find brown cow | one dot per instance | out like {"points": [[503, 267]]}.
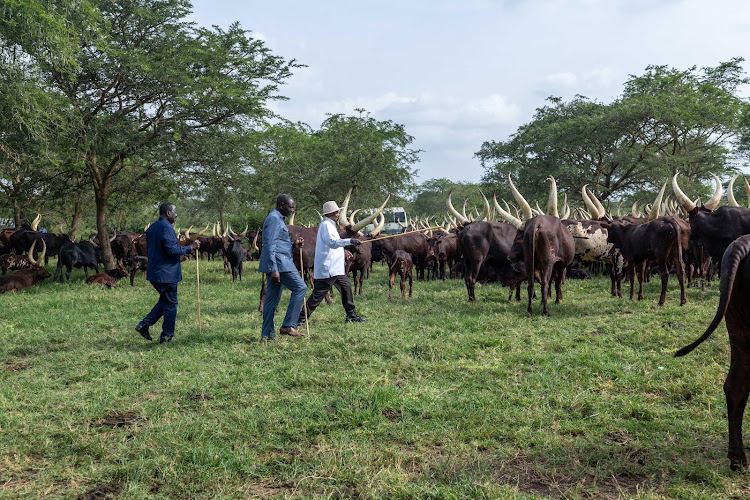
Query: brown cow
{"points": [[548, 249], [108, 278], [400, 264], [733, 304], [26, 278], [14, 262]]}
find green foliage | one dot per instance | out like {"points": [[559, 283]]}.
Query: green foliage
{"points": [[665, 121], [432, 397], [431, 197]]}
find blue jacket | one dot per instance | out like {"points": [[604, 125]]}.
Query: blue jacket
{"points": [[276, 254], [163, 253]]}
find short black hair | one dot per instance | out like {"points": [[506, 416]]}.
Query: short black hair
{"points": [[164, 208], [283, 198]]}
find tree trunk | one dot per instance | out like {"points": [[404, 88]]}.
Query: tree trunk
{"points": [[16, 214], [102, 194], [76, 218]]}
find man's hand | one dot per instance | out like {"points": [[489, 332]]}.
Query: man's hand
{"points": [[300, 241], [355, 242], [275, 277]]}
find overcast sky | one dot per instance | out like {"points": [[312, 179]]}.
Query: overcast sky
{"points": [[457, 73]]}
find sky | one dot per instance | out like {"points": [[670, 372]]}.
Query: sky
{"points": [[458, 73]]}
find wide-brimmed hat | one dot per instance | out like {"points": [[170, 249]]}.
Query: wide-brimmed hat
{"points": [[329, 207]]}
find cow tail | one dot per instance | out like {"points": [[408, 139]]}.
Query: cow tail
{"points": [[678, 233], [731, 260]]}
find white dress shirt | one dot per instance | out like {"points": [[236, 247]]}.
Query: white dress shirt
{"points": [[329, 251]]}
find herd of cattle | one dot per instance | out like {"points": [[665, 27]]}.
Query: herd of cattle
{"points": [[526, 245]]}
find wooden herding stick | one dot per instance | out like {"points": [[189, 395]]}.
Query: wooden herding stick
{"points": [[198, 277], [304, 302], [401, 234]]}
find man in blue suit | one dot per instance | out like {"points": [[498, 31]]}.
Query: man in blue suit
{"points": [[164, 272], [276, 261]]}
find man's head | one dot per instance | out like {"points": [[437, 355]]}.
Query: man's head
{"points": [[285, 204], [168, 211], [331, 210]]}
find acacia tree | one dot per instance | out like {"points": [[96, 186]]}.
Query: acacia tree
{"points": [[144, 79], [666, 120]]}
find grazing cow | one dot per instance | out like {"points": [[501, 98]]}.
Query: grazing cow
{"points": [[661, 240], [547, 248], [135, 264], [108, 278], [79, 255], [401, 264], [733, 304], [26, 278], [489, 244], [14, 262]]}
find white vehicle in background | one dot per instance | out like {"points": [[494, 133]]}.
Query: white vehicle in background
{"points": [[394, 217]]}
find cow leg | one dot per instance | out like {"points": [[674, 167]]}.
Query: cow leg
{"points": [[664, 273], [402, 284], [68, 270], [262, 292], [58, 271], [391, 280], [641, 268], [559, 280], [410, 283], [737, 387], [132, 276], [530, 290], [361, 280]]}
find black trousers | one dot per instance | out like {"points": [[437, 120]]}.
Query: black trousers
{"points": [[322, 286]]}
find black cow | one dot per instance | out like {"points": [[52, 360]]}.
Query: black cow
{"points": [[734, 305], [661, 240], [22, 240], [235, 255], [79, 255], [489, 244]]}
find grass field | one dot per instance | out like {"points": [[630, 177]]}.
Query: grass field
{"points": [[432, 397]]}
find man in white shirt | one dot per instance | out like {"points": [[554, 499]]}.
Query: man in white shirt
{"points": [[329, 265]]}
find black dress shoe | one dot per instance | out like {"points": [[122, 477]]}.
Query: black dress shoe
{"points": [[164, 339], [354, 318], [143, 330]]}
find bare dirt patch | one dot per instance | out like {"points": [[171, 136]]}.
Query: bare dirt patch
{"points": [[519, 472], [102, 491], [201, 397], [17, 366], [120, 419], [269, 489]]}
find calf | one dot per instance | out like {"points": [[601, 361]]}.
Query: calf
{"points": [[401, 264], [108, 278], [135, 264], [733, 303], [14, 262]]}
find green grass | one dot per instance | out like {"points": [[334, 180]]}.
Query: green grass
{"points": [[432, 397]]}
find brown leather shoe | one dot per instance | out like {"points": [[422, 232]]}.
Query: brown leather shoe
{"points": [[291, 331]]}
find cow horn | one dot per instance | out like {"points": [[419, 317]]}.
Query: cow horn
{"points": [[712, 203], [731, 201], [590, 207], [35, 262], [343, 220], [91, 240], [114, 235], [35, 222], [657, 204], [291, 219], [187, 232], [634, 209], [359, 225], [254, 246], [599, 207], [379, 224], [682, 197], [463, 211], [485, 213], [453, 211], [552, 201], [244, 233], [525, 207], [61, 231], [566, 207], [351, 217], [518, 223], [213, 230]]}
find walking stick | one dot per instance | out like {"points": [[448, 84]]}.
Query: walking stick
{"points": [[198, 277], [304, 303], [401, 234]]}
